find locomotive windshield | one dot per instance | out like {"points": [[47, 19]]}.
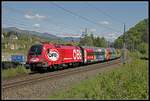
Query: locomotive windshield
{"points": [[35, 50]]}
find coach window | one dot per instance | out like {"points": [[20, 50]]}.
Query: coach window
{"points": [[90, 54]]}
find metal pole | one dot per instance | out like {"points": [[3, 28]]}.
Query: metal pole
{"points": [[86, 33], [124, 46]]}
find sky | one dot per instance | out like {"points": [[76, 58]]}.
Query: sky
{"points": [[104, 19]]}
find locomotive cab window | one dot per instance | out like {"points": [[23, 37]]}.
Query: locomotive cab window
{"points": [[36, 50]]}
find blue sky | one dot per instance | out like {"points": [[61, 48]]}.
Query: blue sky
{"points": [[107, 17]]}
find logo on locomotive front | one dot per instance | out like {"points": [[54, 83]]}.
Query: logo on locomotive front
{"points": [[53, 54], [76, 54]]}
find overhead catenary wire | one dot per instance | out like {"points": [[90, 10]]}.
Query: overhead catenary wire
{"points": [[22, 12], [106, 14], [87, 19], [26, 26], [16, 22], [82, 17], [52, 22], [21, 23]]}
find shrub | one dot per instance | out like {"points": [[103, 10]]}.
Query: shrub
{"points": [[11, 72], [130, 81]]}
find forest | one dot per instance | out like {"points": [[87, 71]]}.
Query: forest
{"points": [[136, 38]]}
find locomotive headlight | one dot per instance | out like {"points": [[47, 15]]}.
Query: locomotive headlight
{"points": [[34, 59]]}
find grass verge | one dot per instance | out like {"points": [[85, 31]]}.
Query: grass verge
{"points": [[130, 81], [12, 72]]}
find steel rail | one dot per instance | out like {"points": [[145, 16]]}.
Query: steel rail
{"points": [[58, 74]]}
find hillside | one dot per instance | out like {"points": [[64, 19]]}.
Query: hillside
{"points": [[27, 32], [136, 38], [17, 41]]}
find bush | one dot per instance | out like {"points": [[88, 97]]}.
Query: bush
{"points": [[130, 81], [11, 72], [143, 48]]}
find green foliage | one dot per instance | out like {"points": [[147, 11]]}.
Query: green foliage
{"points": [[86, 41], [12, 72], [23, 42], [130, 81], [136, 38], [143, 48], [119, 42], [97, 42], [103, 42], [90, 40]]}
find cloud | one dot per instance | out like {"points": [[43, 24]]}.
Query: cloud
{"points": [[93, 30], [111, 34], [111, 37], [36, 25], [28, 16], [36, 16], [39, 16], [104, 22]]}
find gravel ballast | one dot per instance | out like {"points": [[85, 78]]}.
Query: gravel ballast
{"points": [[43, 89]]}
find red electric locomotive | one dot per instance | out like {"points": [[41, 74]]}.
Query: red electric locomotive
{"points": [[46, 56]]}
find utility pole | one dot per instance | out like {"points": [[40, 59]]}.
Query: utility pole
{"points": [[124, 47], [86, 33]]}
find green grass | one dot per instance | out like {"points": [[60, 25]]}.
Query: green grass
{"points": [[12, 72], [130, 81]]}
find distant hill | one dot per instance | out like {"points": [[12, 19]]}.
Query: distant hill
{"points": [[69, 39], [43, 35], [17, 41], [27, 32]]}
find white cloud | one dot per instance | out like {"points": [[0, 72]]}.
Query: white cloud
{"points": [[93, 30], [39, 16], [111, 37], [36, 16], [104, 22], [36, 25], [111, 34], [28, 16], [81, 30]]}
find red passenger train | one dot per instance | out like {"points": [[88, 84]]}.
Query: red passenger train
{"points": [[50, 56]]}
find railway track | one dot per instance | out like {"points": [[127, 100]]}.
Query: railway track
{"points": [[58, 74]]}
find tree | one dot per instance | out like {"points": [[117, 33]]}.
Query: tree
{"points": [[136, 37], [86, 41], [103, 42], [118, 42], [97, 42], [143, 48], [92, 37]]}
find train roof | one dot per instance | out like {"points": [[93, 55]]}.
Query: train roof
{"points": [[92, 47]]}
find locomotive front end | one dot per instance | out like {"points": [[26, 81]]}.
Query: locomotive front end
{"points": [[35, 59]]}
